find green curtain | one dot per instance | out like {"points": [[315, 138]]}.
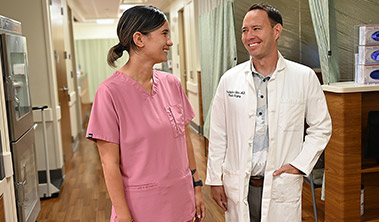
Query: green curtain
{"points": [[218, 51], [91, 56], [324, 25]]}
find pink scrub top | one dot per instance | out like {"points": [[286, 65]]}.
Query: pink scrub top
{"points": [[150, 129]]}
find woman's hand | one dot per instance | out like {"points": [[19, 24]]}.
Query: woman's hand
{"points": [[199, 203], [127, 218]]}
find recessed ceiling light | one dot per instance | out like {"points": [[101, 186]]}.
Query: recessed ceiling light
{"points": [[126, 6], [104, 21]]}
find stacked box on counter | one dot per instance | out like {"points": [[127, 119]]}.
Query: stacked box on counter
{"points": [[367, 58]]}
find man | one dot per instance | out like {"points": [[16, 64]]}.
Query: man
{"points": [[258, 153]]}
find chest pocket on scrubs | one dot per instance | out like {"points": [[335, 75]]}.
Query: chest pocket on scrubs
{"points": [[176, 117], [291, 117]]}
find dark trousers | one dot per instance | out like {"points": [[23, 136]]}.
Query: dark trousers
{"points": [[255, 203]]}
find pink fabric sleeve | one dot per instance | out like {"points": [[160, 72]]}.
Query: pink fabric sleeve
{"points": [[103, 123]]}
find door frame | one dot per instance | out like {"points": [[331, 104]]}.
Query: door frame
{"points": [[53, 89], [60, 56], [182, 51]]}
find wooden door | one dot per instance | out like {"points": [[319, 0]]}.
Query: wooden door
{"points": [[57, 21], [2, 214]]}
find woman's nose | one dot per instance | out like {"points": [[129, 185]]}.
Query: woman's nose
{"points": [[169, 42]]}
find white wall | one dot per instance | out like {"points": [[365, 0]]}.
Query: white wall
{"points": [[94, 31]]}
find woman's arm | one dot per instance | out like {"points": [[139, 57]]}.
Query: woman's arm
{"points": [[200, 208], [110, 160]]}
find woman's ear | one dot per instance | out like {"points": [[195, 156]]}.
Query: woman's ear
{"points": [[138, 39]]}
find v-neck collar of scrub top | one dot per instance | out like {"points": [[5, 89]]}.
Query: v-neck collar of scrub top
{"points": [[138, 86]]}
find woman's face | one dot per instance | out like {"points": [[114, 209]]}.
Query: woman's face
{"points": [[157, 44]]}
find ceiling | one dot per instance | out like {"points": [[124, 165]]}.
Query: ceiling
{"points": [[90, 10]]}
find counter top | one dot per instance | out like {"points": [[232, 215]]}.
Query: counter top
{"points": [[349, 87]]}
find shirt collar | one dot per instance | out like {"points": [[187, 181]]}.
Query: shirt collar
{"points": [[279, 66], [255, 73]]}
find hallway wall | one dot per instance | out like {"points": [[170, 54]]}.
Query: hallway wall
{"points": [[189, 59]]}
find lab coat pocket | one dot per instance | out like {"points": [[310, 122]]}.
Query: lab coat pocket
{"points": [[175, 115], [287, 187], [291, 117], [231, 184]]}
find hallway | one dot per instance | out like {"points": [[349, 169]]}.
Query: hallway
{"points": [[84, 197]]}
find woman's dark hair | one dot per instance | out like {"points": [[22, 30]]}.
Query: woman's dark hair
{"points": [[143, 19], [273, 13]]}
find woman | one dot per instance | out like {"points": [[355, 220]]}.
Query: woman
{"points": [[139, 122]]}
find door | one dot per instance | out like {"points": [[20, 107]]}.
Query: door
{"points": [[26, 181], [75, 108], [57, 21], [191, 57], [16, 88]]}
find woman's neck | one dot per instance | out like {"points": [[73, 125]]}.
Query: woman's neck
{"points": [[141, 72]]}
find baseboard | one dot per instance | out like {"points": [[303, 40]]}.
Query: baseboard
{"points": [[198, 129], [76, 143]]}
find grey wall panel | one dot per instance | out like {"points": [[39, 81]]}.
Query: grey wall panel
{"points": [[240, 9], [309, 51]]}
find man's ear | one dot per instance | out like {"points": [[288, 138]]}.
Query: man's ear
{"points": [[138, 39], [277, 30]]}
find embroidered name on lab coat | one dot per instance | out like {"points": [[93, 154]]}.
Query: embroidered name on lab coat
{"points": [[235, 93]]}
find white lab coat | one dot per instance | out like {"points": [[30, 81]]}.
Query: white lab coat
{"points": [[294, 94]]}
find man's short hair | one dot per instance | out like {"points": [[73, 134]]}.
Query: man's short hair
{"points": [[273, 13]]}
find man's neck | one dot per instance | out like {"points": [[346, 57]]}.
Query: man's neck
{"points": [[266, 65]]}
